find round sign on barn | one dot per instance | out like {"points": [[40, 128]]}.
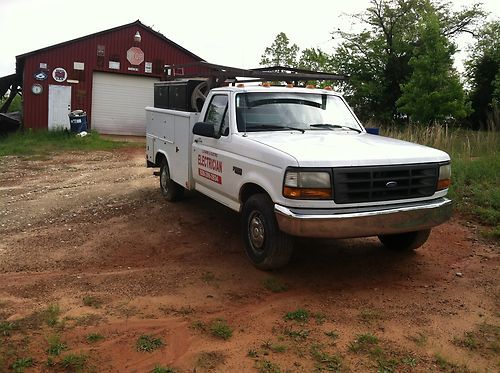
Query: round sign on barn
{"points": [[135, 56]]}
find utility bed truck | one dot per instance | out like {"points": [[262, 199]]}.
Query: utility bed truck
{"points": [[297, 162]]}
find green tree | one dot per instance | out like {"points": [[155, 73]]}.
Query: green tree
{"points": [[280, 53], [433, 92], [483, 76], [377, 57]]}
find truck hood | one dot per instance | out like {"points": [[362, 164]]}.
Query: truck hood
{"points": [[346, 149]]}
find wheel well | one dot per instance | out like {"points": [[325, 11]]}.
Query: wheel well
{"points": [[249, 190], [159, 158]]}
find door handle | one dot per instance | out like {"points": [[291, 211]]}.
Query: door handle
{"points": [[198, 140]]}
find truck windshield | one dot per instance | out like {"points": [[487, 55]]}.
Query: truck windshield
{"points": [[284, 111]]}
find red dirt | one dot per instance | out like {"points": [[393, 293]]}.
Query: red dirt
{"points": [[77, 225]]}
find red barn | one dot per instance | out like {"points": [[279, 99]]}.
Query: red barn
{"points": [[109, 75]]}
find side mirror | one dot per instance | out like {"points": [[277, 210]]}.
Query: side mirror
{"points": [[204, 129]]}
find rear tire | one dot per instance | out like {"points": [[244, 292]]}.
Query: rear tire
{"points": [[266, 246], [169, 188], [405, 241]]}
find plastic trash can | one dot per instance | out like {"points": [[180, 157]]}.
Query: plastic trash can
{"points": [[78, 121]]}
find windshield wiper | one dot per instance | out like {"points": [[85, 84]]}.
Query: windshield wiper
{"points": [[332, 126], [272, 126]]}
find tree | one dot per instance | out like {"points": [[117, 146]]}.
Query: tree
{"points": [[280, 53], [483, 76], [377, 58], [433, 92]]}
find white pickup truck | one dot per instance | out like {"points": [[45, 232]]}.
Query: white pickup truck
{"points": [[297, 162]]}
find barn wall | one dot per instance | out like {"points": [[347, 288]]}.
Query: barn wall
{"points": [[116, 43]]}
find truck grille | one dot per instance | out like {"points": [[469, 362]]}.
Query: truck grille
{"points": [[384, 183]]}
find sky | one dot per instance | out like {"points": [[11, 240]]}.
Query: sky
{"points": [[227, 32]]}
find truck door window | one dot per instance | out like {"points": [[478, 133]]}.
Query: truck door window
{"points": [[217, 114]]}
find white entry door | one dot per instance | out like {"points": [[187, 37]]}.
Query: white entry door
{"points": [[59, 106]]}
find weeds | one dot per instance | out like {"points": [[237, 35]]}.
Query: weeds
{"points": [[274, 347], [51, 314], [160, 369], [363, 343], [91, 301], [20, 364], [148, 343], [210, 360], [300, 315], [220, 329], [266, 366], [297, 335], [6, 327], [325, 361], [94, 337], [275, 285], [420, 339], [74, 362], [56, 346], [333, 335]]}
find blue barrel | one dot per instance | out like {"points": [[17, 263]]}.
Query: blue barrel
{"points": [[78, 121]]}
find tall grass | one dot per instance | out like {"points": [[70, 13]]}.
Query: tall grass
{"points": [[44, 142], [475, 167]]}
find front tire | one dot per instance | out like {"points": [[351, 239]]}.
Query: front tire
{"points": [[169, 188], [405, 241], [266, 246]]}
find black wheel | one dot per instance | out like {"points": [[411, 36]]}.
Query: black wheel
{"points": [[169, 188], [266, 246], [405, 241]]}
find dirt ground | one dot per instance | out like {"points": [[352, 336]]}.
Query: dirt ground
{"points": [[92, 257]]}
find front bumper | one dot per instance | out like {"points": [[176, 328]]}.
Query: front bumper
{"points": [[363, 222]]}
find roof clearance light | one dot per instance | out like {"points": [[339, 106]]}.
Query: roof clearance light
{"points": [[310, 86], [328, 88], [289, 85], [240, 85], [266, 84]]}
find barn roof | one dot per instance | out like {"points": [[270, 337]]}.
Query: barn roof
{"points": [[135, 23]]}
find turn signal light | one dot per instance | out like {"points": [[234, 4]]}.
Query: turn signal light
{"points": [[443, 184], [307, 193]]}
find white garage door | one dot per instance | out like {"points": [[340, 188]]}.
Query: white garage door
{"points": [[118, 103]]}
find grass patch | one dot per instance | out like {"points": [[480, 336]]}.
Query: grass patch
{"points": [[160, 369], [51, 314], [266, 366], [325, 361], [274, 347], [368, 316], [420, 339], [363, 343], [210, 360], [74, 362], [45, 142], [448, 366], [300, 315], [485, 339], [275, 285], [20, 364], [297, 335], [56, 346], [333, 335], [7, 327], [148, 343], [220, 329], [94, 337], [91, 301]]}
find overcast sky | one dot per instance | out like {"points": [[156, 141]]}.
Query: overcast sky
{"points": [[227, 32]]}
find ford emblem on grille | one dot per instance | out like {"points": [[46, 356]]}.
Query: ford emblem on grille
{"points": [[391, 184]]}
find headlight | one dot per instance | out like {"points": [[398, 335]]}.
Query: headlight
{"points": [[444, 180], [307, 185]]}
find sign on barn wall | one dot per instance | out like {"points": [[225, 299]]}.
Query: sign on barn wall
{"points": [[135, 56]]}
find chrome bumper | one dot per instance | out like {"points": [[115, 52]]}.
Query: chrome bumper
{"points": [[363, 222]]}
